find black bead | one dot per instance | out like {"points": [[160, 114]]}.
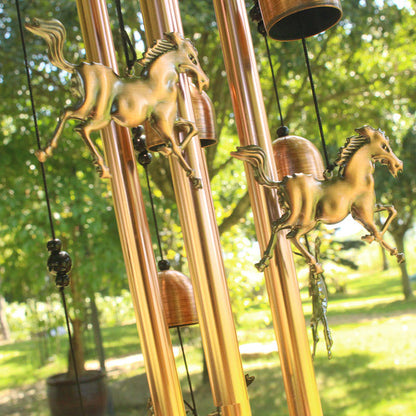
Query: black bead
{"points": [[163, 265], [282, 131], [54, 245], [139, 139], [62, 280], [144, 158], [59, 262]]}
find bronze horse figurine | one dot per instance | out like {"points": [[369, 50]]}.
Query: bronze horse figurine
{"points": [[305, 200], [131, 101]]}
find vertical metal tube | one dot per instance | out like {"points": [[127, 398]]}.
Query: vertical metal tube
{"points": [[134, 230], [202, 243], [288, 319]]}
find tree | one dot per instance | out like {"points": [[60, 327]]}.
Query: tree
{"points": [[363, 73], [81, 204], [401, 192]]}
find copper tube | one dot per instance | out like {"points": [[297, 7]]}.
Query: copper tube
{"points": [[134, 230], [288, 319], [202, 243]]}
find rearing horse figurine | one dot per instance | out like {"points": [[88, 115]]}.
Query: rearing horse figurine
{"points": [[131, 101], [305, 200]]}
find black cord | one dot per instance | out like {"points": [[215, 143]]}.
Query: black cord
{"points": [[193, 407], [35, 120], [128, 48], [68, 328], [59, 261], [315, 101], [274, 81], [149, 189]]}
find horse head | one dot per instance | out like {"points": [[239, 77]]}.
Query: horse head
{"points": [[380, 149], [188, 60]]}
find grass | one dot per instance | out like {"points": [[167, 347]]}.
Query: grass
{"points": [[372, 372]]}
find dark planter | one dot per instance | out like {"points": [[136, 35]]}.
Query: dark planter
{"points": [[64, 399]]}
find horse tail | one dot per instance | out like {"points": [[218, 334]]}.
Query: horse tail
{"points": [[54, 34], [256, 157]]}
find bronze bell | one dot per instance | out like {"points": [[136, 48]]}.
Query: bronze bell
{"points": [[204, 120], [294, 154], [295, 19], [204, 117], [177, 298]]}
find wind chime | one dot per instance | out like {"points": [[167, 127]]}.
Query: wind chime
{"points": [[174, 135], [308, 193]]}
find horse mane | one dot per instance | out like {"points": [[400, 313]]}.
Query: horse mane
{"points": [[160, 47], [346, 152]]}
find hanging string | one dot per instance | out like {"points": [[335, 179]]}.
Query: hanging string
{"points": [[35, 120], [193, 407], [274, 80], [59, 262], [145, 158], [68, 328], [256, 17], [128, 48], [315, 101]]}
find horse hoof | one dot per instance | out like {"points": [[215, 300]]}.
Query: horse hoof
{"points": [[316, 268], [196, 183], [260, 266], [400, 258], [368, 238], [41, 155], [104, 172]]}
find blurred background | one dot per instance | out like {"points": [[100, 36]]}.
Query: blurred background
{"points": [[364, 71]]}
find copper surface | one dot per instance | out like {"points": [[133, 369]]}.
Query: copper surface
{"points": [[282, 286], [134, 231], [294, 19], [204, 117], [202, 243], [294, 154], [177, 298]]}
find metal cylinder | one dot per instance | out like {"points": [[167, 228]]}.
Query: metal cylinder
{"points": [[295, 19], [134, 231], [282, 286], [294, 154]]}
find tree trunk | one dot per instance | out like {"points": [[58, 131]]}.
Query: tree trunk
{"points": [[4, 325], [384, 261], [95, 321], [205, 375], [78, 357], [407, 288]]}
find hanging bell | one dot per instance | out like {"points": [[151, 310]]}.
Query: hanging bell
{"points": [[153, 141], [205, 122], [177, 298], [294, 154], [297, 19], [204, 114]]}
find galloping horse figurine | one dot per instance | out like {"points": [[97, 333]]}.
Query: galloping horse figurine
{"points": [[305, 200], [131, 101]]}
